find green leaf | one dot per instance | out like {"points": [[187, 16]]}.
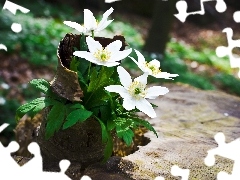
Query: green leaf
{"points": [[110, 125], [104, 130], [25, 108], [95, 92], [74, 64], [83, 63], [93, 80], [145, 124], [108, 148], [77, 106], [55, 119], [47, 102], [105, 112], [75, 116], [126, 134], [96, 99], [40, 84], [154, 105], [100, 80]]}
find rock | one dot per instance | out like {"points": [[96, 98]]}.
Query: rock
{"points": [[187, 121]]}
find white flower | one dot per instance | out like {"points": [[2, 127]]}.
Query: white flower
{"points": [[152, 67], [103, 56], [90, 23], [135, 92]]}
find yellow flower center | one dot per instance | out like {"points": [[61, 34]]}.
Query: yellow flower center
{"points": [[155, 70], [137, 90], [102, 55]]}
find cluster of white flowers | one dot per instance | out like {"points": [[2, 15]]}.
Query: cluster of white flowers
{"points": [[134, 93]]}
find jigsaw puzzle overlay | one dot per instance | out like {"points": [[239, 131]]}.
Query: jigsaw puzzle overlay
{"points": [[176, 171], [221, 51], [182, 9], [16, 27], [228, 150], [33, 169]]}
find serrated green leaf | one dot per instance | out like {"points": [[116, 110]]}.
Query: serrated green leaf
{"points": [[95, 90], [128, 137], [93, 80], [144, 123], [96, 99], [126, 134], [75, 116], [25, 108], [47, 102], [41, 85], [55, 119], [100, 80]]}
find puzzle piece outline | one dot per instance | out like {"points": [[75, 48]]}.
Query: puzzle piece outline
{"points": [[12, 7], [176, 171], [182, 6], [228, 150], [222, 51], [33, 168]]}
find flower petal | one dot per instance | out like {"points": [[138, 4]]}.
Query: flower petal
{"points": [[144, 106], [139, 65], [142, 79], [104, 23], [108, 64], [87, 55], [124, 77], [129, 104], [155, 91], [74, 25], [90, 22], [118, 89], [155, 62], [119, 55], [165, 75], [93, 45], [141, 59], [103, 26], [114, 46]]}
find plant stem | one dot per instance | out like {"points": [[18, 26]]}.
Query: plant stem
{"points": [[89, 68]]}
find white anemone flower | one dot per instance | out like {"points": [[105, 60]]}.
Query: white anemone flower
{"points": [[134, 93], [90, 22], [103, 56], [152, 67]]}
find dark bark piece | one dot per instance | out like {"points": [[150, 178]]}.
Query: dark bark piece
{"points": [[81, 143], [65, 83]]}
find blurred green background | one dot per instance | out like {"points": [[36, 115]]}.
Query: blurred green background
{"points": [[187, 49]]}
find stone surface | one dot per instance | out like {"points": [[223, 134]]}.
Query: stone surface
{"points": [[187, 121]]}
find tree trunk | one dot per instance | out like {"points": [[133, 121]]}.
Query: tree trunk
{"points": [[158, 34]]}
